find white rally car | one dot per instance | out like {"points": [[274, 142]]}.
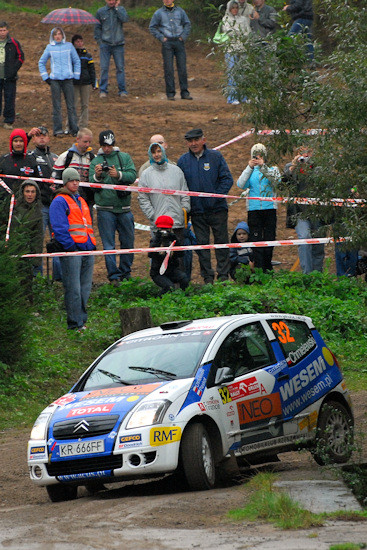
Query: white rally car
{"points": [[191, 395]]}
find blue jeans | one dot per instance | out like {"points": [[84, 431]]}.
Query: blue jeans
{"points": [[346, 261], [311, 256], [77, 275], [173, 47], [117, 52], [303, 26], [108, 224], [8, 89], [56, 265], [67, 88]]}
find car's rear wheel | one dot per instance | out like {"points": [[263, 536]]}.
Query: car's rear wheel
{"points": [[334, 439], [59, 493], [197, 458]]}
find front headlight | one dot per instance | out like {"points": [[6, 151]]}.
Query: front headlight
{"points": [[148, 413], [40, 426]]}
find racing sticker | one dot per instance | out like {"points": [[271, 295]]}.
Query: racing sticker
{"points": [[133, 440], [309, 383], [198, 386], [65, 399], [164, 436], [93, 409], [87, 475], [258, 409], [140, 389], [36, 453], [258, 385]]}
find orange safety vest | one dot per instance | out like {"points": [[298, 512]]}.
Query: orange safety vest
{"points": [[80, 222]]}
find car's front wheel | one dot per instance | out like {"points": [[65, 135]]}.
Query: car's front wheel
{"points": [[59, 493], [334, 439], [197, 458]]}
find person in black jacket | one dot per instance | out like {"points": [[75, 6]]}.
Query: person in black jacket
{"points": [[87, 79], [165, 276], [11, 60], [301, 12]]}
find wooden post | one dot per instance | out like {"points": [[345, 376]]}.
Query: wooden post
{"points": [[134, 318]]}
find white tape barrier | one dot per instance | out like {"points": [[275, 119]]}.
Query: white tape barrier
{"points": [[256, 244]]}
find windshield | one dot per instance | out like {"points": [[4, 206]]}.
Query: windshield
{"points": [[150, 359]]}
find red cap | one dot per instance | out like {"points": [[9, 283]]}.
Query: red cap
{"points": [[164, 222]]}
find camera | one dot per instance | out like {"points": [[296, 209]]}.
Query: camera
{"points": [[302, 159], [256, 157], [105, 167]]}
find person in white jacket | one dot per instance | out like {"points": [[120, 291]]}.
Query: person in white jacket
{"points": [[236, 26], [163, 175]]}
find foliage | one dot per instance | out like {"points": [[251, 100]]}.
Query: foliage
{"points": [[267, 503], [348, 546], [290, 95]]}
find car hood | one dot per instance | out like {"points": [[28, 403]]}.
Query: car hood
{"points": [[116, 400]]}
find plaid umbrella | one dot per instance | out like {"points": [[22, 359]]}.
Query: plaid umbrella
{"points": [[69, 16]]}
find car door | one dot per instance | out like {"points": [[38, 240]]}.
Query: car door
{"points": [[251, 406]]}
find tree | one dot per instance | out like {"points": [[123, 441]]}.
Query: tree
{"points": [[289, 95]]}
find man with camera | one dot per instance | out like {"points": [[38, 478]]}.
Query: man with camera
{"points": [[111, 166], [311, 256]]}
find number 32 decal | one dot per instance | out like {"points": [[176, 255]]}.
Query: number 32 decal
{"points": [[283, 331]]}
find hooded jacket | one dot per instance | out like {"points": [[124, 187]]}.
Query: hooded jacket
{"points": [[260, 181], [109, 29], [240, 255], [236, 25], [18, 164], [109, 199], [163, 176], [65, 62], [14, 58], [87, 68], [28, 218], [210, 174]]}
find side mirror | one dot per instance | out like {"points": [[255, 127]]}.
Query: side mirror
{"points": [[224, 375]]}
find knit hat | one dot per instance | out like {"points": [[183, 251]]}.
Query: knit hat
{"points": [[259, 149], [164, 222], [107, 137], [70, 174]]}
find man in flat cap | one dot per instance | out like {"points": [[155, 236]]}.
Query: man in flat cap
{"points": [[206, 171]]}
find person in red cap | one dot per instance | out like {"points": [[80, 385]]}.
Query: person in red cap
{"points": [[165, 273]]}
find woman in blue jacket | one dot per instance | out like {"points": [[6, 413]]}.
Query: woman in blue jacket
{"points": [[262, 215], [65, 66]]}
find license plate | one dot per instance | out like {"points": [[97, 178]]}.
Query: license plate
{"points": [[82, 448]]}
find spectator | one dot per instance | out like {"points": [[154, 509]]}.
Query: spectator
{"points": [[263, 18], [157, 138], [262, 215], [11, 60], [244, 8], [162, 175], [87, 79], [65, 66], [240, 256], [27, 217], [111, 166], [166, 278], [236, 27], [301, 12], [72, 227], [171, 26], [109, 36], [206, 170], [18, 162], [311, 256], [45, 161], [79, 156]]}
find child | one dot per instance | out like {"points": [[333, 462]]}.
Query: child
{"points": [[87, 79], [173, 274], [240, 256]]}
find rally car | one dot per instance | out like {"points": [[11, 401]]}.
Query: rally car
{"points": [[191, 395]]}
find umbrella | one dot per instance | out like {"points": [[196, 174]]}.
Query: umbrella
{"points": [[69, 16]]}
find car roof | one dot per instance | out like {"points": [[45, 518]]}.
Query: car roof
{"points": [[214, 323]]}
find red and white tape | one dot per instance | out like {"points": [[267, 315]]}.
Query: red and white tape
{"points": [[297, 200], [254, 244]]}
